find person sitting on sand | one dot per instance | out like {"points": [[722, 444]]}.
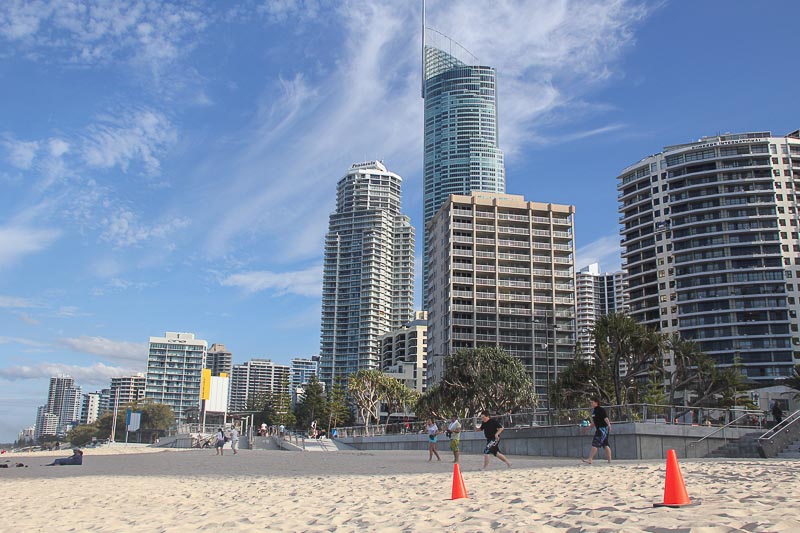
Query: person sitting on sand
{"points": [[75, 459]]}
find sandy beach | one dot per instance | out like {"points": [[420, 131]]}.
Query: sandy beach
{"points": [[175, 490]]}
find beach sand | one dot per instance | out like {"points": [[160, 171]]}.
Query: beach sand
{"points": [[183, 490]]}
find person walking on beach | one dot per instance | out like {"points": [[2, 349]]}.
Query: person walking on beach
{"points": [[234, 440], [433, 436], [492, 429], [454, 432], [220, 436], [602, 427]]}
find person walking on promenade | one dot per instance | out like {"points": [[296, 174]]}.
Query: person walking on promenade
{"points": [[454, 432], [234, 440], [433, 436], [602, 427], [492, 429], [777, 413], [220, 436]]}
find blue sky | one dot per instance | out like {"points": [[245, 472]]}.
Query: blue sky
{"points": [[170, 166]]}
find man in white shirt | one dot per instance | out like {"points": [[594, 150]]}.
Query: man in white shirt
{"points": [[234, 440], [454, 432]]}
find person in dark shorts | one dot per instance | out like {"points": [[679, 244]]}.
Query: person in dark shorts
{"points": [[602, 426], [492, 428]]}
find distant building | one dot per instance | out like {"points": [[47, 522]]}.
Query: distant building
{"points": [[90, 407], [46, 423], [710, 245], [64, 403], [26, 436], [219, 360], [502, 275], [405, 352], [302, 370], [368, 271], [174, 365], [598, 294], [105, 401], [254, 380], [126, 390]]}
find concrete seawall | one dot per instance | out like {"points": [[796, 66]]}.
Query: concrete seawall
{"points": [[630, 440]]}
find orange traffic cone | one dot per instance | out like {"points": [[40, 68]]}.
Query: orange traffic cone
{"points": [[459, 489], [674, 488]]}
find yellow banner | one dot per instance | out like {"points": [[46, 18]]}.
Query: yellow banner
{"points": [[205, 384]]}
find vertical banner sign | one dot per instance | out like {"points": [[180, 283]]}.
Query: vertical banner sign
{"points": [[133, 419], [205, 384]]}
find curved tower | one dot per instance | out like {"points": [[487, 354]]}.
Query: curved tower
{"points": [[368, 277], [709, 230], [461, 139]]}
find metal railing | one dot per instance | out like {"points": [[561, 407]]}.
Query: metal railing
{"points": [[642, 413], [744, 420], [780, 435]]}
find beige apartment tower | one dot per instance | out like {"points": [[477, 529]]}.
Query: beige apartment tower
{"points": [[502, 274], [405, 352]]}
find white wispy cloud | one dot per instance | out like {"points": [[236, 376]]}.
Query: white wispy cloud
{"points": [[306, 282], [91, 376], [280, 184], [15, 302], [123, 351], [21, 153], [605, 251], [18, 241], [123, 228], [152, 34], [548, 54], [25, 342], [142, 136]]}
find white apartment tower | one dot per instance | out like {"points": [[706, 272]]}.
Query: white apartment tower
{"points": [[126, 390], [90, 407], [368, 278], [255, 379], [405, 352], [302, 370], [598, 294], [502, 275], [174, 365], [710, 245]]}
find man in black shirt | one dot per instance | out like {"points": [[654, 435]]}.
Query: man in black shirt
{"points": [[491, 430], [602, 426]]}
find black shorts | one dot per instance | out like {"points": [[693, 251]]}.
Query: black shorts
{"points": [[600, 439], [492, 447]]}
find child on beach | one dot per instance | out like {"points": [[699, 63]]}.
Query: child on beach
{"points": [[433, 436]]}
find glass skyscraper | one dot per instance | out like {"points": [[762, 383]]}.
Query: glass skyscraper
{"points": [[461, 148]]}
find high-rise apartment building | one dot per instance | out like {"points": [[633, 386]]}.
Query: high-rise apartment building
{"points": [[462, 152], [63, 402], [90, 407], [368, 278], [598, 294], [302, 369], [502, 274], [126, 390], [710, 245], [46, 423], [405, 352], [254, 380], [174, 365], [219, 360]]}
